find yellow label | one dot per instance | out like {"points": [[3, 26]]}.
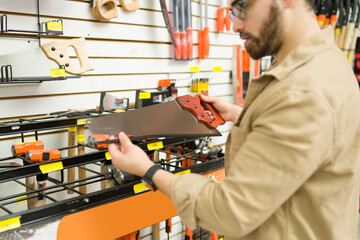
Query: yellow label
{"points": [[26, 142], [203, 87], [211, 145], [350, 58], [183, 172], [221, 238], [81, 121], [107, 156], [217, 69], [72, 129], [119, 110], [19, 198], [140, 187], [337, 31], [195, 69], [81, 138], [51, 167], [9, 224], [54, 73], [54, 26], [155, 145], [144, 95], [321, 23]]}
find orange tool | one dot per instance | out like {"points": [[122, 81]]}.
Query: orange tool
{"points": [[206, 31], [177, 34], [21, 148], [184, 50], [214, 236], [189, 31], [188, 234], [94, 139], [201, 36], [223, 18], [40, 155]]}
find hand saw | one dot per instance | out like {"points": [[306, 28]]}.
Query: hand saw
{"points": [[34, 64], [184, 116]]}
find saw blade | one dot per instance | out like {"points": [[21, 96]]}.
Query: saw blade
{"points": [[160, 120]]}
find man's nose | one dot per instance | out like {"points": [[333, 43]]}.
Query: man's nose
{"points": [[238, 25]]}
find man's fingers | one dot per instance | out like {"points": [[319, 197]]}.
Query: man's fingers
{"points": [[125, 141]]}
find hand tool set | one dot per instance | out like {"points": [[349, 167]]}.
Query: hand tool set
{"points": [[44, 172]]}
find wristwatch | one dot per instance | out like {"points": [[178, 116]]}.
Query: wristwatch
{"points": [[147, 179]]}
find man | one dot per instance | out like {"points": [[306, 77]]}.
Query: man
{"points": [[293, 154]]}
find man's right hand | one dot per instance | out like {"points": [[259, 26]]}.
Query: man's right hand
{"points": [[227, 110]]}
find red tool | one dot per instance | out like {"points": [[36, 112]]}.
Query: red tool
{"points": [[21, 148], [206, 31], [189, 31], [201, 36], [184, 50], [177, 34], [40, 155]]}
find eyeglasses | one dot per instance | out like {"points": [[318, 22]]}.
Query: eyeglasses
{"points": [[238, 10]]}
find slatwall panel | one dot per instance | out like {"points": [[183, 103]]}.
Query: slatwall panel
{"points": [[130, 52]]}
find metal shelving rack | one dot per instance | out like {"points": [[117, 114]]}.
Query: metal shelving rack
{"points": [[179, 151]]}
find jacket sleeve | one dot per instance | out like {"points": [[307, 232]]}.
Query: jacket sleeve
{"points": [[291, 138]]}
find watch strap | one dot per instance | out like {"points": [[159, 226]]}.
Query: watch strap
{"points": [[149, 176]]}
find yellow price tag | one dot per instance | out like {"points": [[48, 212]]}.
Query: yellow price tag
{"points": [[81, 138], [217, 69], [337, 31], [9, 224], [54, 26], [155, 145], [81, 121], [140, 187], [119, 110], [183, 172], [72, 129], [145, 95], [19, 198], [51, 167], [194, 69], [55, 73], [107, 156]]}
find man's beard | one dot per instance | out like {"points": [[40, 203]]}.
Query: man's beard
{"points": [[271, 36]]}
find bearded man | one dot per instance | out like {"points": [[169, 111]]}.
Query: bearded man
{"points": [[293, 154]]}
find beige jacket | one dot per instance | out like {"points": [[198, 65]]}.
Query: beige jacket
{"points": [[292, 159]]}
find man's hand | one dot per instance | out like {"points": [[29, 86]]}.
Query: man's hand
{"points": [[228, 111], [129, 157]]}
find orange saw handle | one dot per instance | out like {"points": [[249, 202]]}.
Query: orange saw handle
{"points": [[197, 107]]}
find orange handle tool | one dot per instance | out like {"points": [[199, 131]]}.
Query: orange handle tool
{"points": [[94, 139], [227, 19], [178, 45], [168, 225], [184, 50], [40, 155], [197, 107], [201, 44], [220, 19], [188, 234], [214, 236], [206, 41], [21, 148], [189, 43]]}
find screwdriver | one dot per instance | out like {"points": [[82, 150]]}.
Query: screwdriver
{"points": [[201, 35], [206, 31], [189, 31], [177, 34], [184, 51]]}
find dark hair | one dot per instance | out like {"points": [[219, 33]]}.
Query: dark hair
{"points": [[311, 3]]}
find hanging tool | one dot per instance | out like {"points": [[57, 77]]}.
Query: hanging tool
{"points": [[350, 28], [338, 24], [206, 31], [177, 32], [344, 27], [333, 13], [222, 17], [21, 148], [201, 35], [109, 5], [188, 233], [71, 153], [132, 6], [324, 9], [189, 30], [184, 47], [355, 35], [186, 117], [168, 23]]}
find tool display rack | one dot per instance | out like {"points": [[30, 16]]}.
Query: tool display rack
{"points": [[57, 208]]}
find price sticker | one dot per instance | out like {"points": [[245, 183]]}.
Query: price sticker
{"points": [[217, 69], [145, 95], [54, 26], [107, 156], [9, 224], [19, 198], [195, 69], [81, 121], [72, 129], [183, 172], [81, 138], [56, 73], [51, 167], [140, 187], [155, 145]]}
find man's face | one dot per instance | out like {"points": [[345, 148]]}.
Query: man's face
{"points": [[270, 36]]}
